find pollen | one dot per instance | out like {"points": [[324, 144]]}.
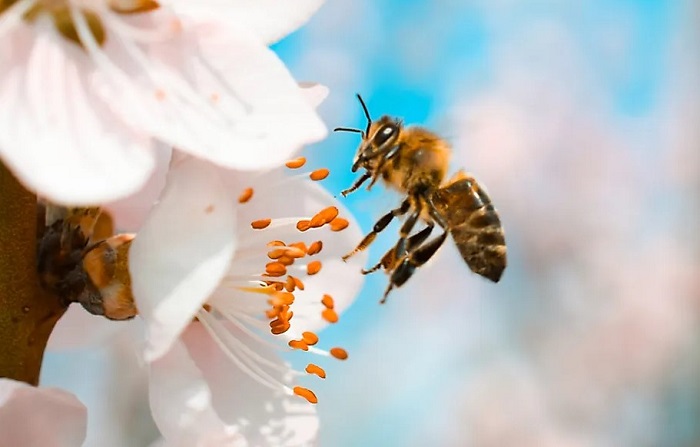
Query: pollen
{"points": [[246, 195], [339, 224], [306, 394], [298, 344], [296, 163], [330, 315], [309, 338], [319, 174], [275, 269], [260, 224], [313, 267], [339, 353], [315, 369], [303, 225], [314, 248], [327, 301]]}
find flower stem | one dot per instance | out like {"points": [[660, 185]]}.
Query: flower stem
{"points": [[27, 313]]}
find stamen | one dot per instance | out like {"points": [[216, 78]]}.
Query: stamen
{"points": [[289, 285], [260, 224], [319, 174], [246, 195], [327, 301], [330, 315], [313, 267], [339, 353], [276, 244], [306, 394], [298, 344], [309, 338], [281, 299], [315, 369], [299, 246], [314, 248], [286, 260], [339, 224], [303, 225], [296, 163]]}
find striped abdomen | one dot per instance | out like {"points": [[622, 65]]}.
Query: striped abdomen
{"points": [[474, 225]]}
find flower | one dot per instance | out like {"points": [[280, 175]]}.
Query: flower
{"points": [[31, 416], [89, 89], [226, 248]]}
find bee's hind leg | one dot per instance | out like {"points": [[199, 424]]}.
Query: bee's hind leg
{"points": [[390, 257], [381, 224], [408, 265]]}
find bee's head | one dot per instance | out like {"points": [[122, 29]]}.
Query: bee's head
{"points": [[377, 139]]}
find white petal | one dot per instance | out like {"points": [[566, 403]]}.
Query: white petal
{"points": [[314, 93], [182, 251], [276, 196], [217, 93], [181, 404], [57, 137], [270, 20], [263, 416], [40, 417]]}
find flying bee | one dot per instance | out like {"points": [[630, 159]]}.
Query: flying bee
{"points": [[414, 161]]}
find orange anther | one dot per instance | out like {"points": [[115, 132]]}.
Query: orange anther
{"points": [[281, 299], [275, 269], [260, 224], [271, 313], [314, 248], [327, 301], [306, 394], [315, 369], [339, 353], [246, 195], [330, 315], [296, 163], [276, 244], [289, 285], [276, 253], [286, 260], [299, 246], [298, 283], [319, 174], [313, 267], [277, 330], [309, 338], [298, 344], [317, 221], [339, 224], [303, 225], [329, 213]]}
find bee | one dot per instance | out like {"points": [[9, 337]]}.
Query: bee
{"points": [[414, 161]]}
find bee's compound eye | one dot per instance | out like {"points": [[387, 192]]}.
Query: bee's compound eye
{"points": [[384, 134]]}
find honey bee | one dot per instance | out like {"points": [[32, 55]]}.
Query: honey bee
{"points": [[414, 161]]}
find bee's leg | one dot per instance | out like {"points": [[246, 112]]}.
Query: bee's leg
{"points": [[357, 184], [391, 255], [378, 227], [410, 263]]}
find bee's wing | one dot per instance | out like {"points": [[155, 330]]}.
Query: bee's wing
{"points": [[474, 225]]}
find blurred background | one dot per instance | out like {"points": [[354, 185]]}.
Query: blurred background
{"points": [[583, 120]]}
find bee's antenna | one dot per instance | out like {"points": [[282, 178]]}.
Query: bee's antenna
{"points": [[349, 129], [364, 107]]}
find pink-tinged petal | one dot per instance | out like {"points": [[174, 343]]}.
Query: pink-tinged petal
{"points": [[270, 20], [57, 137], [263, 416], [40, 417], [130, 213], [181, 404], [280, 198], [182, 251], [217, 93]]}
